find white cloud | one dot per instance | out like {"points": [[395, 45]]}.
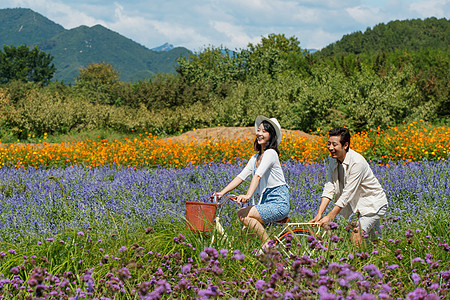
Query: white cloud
{"points": [[233, 23], [437, 8], [365, 15], [235, 34]]}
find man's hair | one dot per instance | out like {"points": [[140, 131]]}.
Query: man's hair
{"points": [[272, 142], [344, 133]]}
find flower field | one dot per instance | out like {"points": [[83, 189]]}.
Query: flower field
{"points": [[411, 142], [110, 232]]}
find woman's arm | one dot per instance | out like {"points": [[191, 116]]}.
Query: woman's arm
{"points": [[251, 189], [231, 186]]}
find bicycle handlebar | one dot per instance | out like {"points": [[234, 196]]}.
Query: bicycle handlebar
{"points": [[214, 199]]}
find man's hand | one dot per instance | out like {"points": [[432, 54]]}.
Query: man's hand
{"points": [[315, 219], [325, 221], [242, 199]]}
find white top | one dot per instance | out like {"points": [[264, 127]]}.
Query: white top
{"points": [[269, 170], [360, 190]]}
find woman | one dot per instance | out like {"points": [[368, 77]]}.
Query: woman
{"points": [[268, 181]]}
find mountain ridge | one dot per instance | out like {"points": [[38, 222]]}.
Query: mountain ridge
{"points": [[75, 48]]}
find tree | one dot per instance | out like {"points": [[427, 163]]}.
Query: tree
{"points": [[100, 82], [26, 65]]}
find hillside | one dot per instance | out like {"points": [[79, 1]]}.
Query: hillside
{"points": [[76, 48], [412, 35]]}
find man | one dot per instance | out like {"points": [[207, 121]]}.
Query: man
{"points": [[350, 181]]}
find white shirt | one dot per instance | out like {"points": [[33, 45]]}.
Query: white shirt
{"points": [[360, 190], [269, 170]]}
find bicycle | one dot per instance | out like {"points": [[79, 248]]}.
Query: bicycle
{"points": [[206, 218]]}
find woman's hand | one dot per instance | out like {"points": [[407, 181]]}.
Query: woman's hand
{"points": [[242, 199], [218, 196]]}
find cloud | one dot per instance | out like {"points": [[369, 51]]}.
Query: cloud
{"points": [[365, 15], [233, 23], [437, 8]]}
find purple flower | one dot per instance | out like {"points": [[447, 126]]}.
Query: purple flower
{"points": [[409, 233], [124, 273], [186, 268], [418, 259], [333, 225], [373, 270], [14, 270], [417, 294], [386, 287], [223, 252], [179, 239], [238, 256], [260, 284], [324, 295], [80, 233], [123, 249], [416, 278], [49, 239], [11, 251], [210, 292], [367, 296], [392, 267]]}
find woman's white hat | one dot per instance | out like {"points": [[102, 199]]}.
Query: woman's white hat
{"points": [[274, 123]]}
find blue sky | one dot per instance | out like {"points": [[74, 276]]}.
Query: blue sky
{"points": [[196, 24]]}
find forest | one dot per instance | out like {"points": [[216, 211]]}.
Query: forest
{"points": [[358, 82]]}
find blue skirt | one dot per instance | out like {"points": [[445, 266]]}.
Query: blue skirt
{"points": [[274, 204]]}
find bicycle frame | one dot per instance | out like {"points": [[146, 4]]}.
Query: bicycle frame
{"points": [[287, 228]]}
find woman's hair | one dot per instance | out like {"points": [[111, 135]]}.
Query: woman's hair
{"points": [[272, 143]]}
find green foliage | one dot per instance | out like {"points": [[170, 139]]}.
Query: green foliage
{"points": [[410, 35], [99, 83], [24, 64], [84, 45]]}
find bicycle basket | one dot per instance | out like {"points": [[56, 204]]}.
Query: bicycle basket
{"points": [[200, 216]]}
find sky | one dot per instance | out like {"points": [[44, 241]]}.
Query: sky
{"points": [[197, 24]]}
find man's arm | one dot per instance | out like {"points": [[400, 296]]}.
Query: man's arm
{"points": [[323, 205], [331, 215]]}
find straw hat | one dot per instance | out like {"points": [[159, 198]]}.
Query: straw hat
{"points": [[273, 122]]}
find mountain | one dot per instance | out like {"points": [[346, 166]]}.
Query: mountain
{"points": [[76, 48], [165, 47], [412, 35]]}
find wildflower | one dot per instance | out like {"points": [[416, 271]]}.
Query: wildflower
{"points": [[324, 295], [259, 284], [49, 239], [238, 256], [149, 230], [124, 273], [179, 239], [373, 270], [409, 233], [223, 252], [14, 270], [417, 294], [416, 278], [186, 268], [80, 233], [123, 249], [392, 267]]}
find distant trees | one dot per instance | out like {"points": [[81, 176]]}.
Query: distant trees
{"points": [[275, 54], [25, 64]]}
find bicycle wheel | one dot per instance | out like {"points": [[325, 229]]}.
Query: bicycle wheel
{"points": [[297, 241]]}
